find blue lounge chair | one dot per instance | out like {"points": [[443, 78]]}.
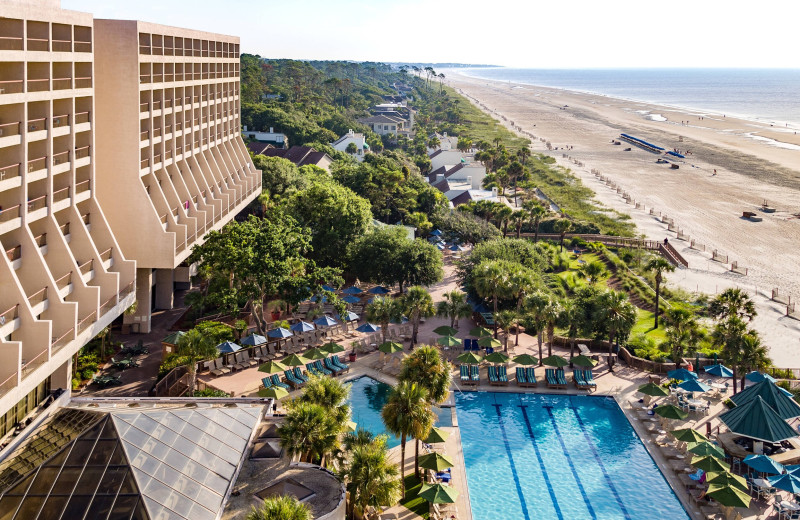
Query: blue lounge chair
{"points": [[589, 380], [464, 370], [338, 362], [530, 372], [266, 382], [552, 379], [292, 379], [276, 381], [320, 368], [327, 363], [312, 369], [521, 379], [502, 375], [577, 378], [561, 378], [298, 373], [474, 374], [493, 379]]}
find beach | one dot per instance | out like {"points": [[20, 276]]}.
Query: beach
{"points": [[731, 166]]}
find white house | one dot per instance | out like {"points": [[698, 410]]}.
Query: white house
{"points": [[277, 139], [446, 142], [384, 124], [362, 148]]}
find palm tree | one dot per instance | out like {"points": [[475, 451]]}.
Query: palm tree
{"points": [[523, 154], [619, 316], [752, 354], [454, 306], [285, 507], [730, 303], [536, 305], [417, 304], [521, 283], [383, 311], [518, 218], [370, 479], [569, 319], [683, 332], [592, 271], [406, 413], [562, 227], [552, 314], [103, 335], [505, 320], [196, 347], [537, 212], [659, 266], [309, 430], [490, 280], [330, 393]]}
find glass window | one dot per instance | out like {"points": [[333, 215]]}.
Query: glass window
{"points": [[30, 507]]}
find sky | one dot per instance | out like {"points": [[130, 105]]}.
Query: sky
{"points": [[515, 33]]}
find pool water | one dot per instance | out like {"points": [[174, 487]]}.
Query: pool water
{"points": [[539, 456], [367, 397]]}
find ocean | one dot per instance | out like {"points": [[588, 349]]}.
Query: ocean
{"points": [[764, 95]]}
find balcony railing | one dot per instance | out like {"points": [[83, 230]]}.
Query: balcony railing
{"points": [[61, 158], [163, 219], [107, 254], [11, 86], [37, 164], [38, 84], [9, 129], [62, 45], [35, 125], [27, 366], [87, 266], [10, 171], [38, 44], [108, 304], [81, 117], [14, 253], [144, 107], [144, 164], [10, 43], [61, 341], [82, 46], [9, 315], [157, 158], [85, 322], [144, 136], [82, 186], [41, 240], [37, 203], [64, 281], [85, 218], [157, 105], [144, 78], [59, 121], [64, 228], [38, 297], [126, 290], [83, 82], [62, 83], [157, 132], [10, 213], [82, 152], [62, 194]]}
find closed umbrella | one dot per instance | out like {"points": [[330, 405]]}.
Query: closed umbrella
{"points": [[351, 426], [302, 326], [435, 461], [670, 411], [379, 289], [438, 493], [525, 359], [368, 327], [272, 367], [332, 348], [719, 371], [728, 496], [489, 342], [390, 347], [437, 435], [227, 347], [583, 361], [276, 392], [325, 321], [764, 464], [705, 448], [681, 374], [688, 435], [444, 330], [497, 357], [710, 463], [315, 354], [280, 332], [352, 290], [254, 340], [653, 390], [469, 358], [693, 385], [294, 361], [448, 341], [351, 299], [480, 332], [789, 482], [555, 361], [726, 478]]}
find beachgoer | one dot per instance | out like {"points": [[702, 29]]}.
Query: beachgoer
{"points": [[715, 172], [666, 241]]}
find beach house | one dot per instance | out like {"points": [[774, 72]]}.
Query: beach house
{"points": [[360, 142]]}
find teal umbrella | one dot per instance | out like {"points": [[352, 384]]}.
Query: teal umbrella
{"points": [[693, 385], [789, 482], [771, 393], [763, 464], [757, 420], [681, 374]]}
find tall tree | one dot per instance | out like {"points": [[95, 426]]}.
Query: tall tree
{"points": [[505, 320], [384, 311], [490, 279], [454, 306], [732, 309], [330, 393], [562, 227], [682, 331], [537, 212], [552, 314], [619, 316], [658, 266], [309, 430], [536, 308], [195, 347], [753, 355], [370, 478], [407, 413], [417, 304], [732, 302], [592, 271]]}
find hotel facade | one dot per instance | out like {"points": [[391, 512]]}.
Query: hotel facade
{"points": [[119, 150]]}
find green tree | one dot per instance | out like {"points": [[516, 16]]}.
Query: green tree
{"points": [[505, 320], [536, 307], [417, 303], [569, 319], [619, 316], [753, 355], [682, 332], [658, 266], [562, 227], [285, 507], [490, 280], [518, 218], [732, 309], [537, 212], [370, 478], [352, 149], [422, 264], [521, 283], [552, 316], [592, 271], [280, 177], [103, 335], [195, 348], [732, 302], [330, 393], [454, 306], [216, 331], [407, 413], [309, 430], [375, 256], [503, 216], [384, 311]]}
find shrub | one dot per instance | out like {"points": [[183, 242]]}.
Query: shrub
{"points": [[171, 361], [210, 392], [76, 383]]}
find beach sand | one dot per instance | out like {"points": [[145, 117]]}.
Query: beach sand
{"points": [[753, 162]]}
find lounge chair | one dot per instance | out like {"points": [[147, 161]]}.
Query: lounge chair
{"points": [[276, 381], [266, 382], [220, 367], [327, 363], [521, 379], [502, 374], [494, 380], [589, 380], [465, 379], [561, 377], [320, 368], [474, 374], [338, 362], [579, 379], [291, 379], [552, 379], [530, 374], [239, 363], [298, 373]]}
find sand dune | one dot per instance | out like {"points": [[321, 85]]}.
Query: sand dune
{"points": [[753, 162]]}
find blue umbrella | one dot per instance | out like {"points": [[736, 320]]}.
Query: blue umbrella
{"points": [[351, 299], [254, 339], [379, 289], [301, 326], [793, 469], [436, 232], [325, 321], [763, 464], [789, 482], [352, 290], [228, 347], [349, 316], [328, 288], [719, 371], [757, 377], [681, 374], [317, 297], [368, 327], [402, 320], [280, 332], [440, 247], [693, 385], [456, 247]]}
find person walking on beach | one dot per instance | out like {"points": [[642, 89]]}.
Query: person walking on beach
{"points": [[715, 172]]}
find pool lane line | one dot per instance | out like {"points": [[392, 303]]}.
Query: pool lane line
{"points": [[569, 460], [511, 461], [590, 443], [550, 490]]}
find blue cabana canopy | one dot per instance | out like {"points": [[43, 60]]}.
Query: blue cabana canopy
{"points": [[693, 385], [757, 377], [368, 327], [325, 321], [349, 316], [351, 299], [789, 482], [328, 288], [436, 232], [719, 370], [253, 340], [301, 326], [317, 297], [280, 332], [763, 464], [681, 374], [379, 289], [227, 347], [352, 290]]}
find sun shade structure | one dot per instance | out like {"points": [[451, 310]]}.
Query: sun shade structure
{"points": [[444, 330], [488, 341], [435, 461], [317, 298], [280, 333], [789, 482], [526, 359], [688, 435], [295, 361], [352, 290], [705, 448], [719, 371], [332, 348], [497, 357], [653, 390], [771, 393], [368, 327], [583, 361], [710, 463], [755, 419], [693, 385], [349, 316], [669, 411], [315, 354], [757, 377], [227, 347], [448, 341], [325, 321], [254, 340], [173, 338], [763, 464], [438, 493], [328, 288], [555, 361], [681, 374], [480, 332], [729, 496], [390, 347], [726, 478], [469, 358], [379, 289], [437, 435], [351, 299], [436, 233], [275, 392], [302, 326], [272, 367]]}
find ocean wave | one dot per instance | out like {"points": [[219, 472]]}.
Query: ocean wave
{"points": [[772, 142]]}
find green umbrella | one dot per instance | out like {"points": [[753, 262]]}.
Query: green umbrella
{"points": [[276, 392], [294, 361], [314, 354], [435, 461], [526, 359], [653, 390], [726, 478], [583, 361], [497, 357], [480, 332], [444, 330], [670, 411], [555, 361], [710, 463], [688, 435], [728, 496], [470, 358], [448, 341], [332, 347], [488, 341], [390, 347], [705, 448], [437, 435], [438, 493], [272, 367]]}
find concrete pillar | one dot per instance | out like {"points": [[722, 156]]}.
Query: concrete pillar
{"points": [[164, 288], [140, 320], [62, 376]]}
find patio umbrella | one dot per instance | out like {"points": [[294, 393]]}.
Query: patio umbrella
{"points": [[302, 326], [352, 290], [325, 321], [726, 478], [710, 463], [448, 341], [444, 330], [440, 246], [456, 247], [525, 359], [728, 496], [480, 332], [350, 426], [789, 482], [771, 393], [368, 327], [497, 357], [351, 299], [294, 361], [681, 374], [670, 411], [757, 377], [555, 361], [328, 288], [173, 338], [705, 448], [379, 289], [688, 435], [348, 316], [653, 390], [227, 347], [583, 361], [719, 371], [436, 233], [276, 392], [332, 348], [280, 332], [693, 385], [317, 298], [469, 358], [390, 347], [435, 461], [437, 435], [272, 367], [757, 420], [315, 354], [488, 341], [254, 339], [764, 464], [401, 321], [438, 493]]}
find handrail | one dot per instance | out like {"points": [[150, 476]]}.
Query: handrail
{"points": [[83, 323], [85, 218], [106, 255], [108, 304], [61, 194], [82, 152], [86, 267], [14, 86], [144, 107], [64, 228], [37, 203], [145, 163], [38, 297], [127, 290], [5, 170], [68, 277], [39, 161], [163, 218], [7, 129], [14, 253], [57, 123], [62, 83], [11, 313], [79, 46], [41, 240], [83, 82], [79, 188], [143, 136], [4, 382], [82, 117], [32, 361], [56, 345], [59, 158], [58, 45], [33, 124], [10, 213]]}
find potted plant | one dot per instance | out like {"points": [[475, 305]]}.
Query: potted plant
{"points": [[277, 306], [353, 354]]}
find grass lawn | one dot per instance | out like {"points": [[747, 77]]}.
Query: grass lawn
{"points": [[411, 500], [644, 325]]}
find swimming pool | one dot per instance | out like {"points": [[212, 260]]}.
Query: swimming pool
{"points": [[540, 456], [367, 397]]}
